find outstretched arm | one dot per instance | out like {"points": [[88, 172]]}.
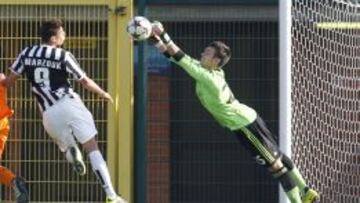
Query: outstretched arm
{"points": [[90, 85], [9, 80], [73, 67], [161, 40], [5, 111], [2, 78]]}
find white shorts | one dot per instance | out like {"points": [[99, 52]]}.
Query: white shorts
{"points": [[69, 118]]}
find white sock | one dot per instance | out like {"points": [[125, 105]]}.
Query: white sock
{"points": [[102, 172]]}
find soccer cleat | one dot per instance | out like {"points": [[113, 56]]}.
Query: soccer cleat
{"points": [[310, 196], [117, 199], [77, 161], [21, 192]]}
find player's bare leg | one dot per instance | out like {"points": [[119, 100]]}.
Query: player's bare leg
{"points": [[7, 177]]}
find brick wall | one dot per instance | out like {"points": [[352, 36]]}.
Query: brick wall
{"points": [[158, 147]]}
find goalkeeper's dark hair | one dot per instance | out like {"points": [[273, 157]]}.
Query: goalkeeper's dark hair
{"points": [[49, 28], [222, 51]]}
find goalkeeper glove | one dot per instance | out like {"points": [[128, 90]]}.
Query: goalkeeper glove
{"points": [[158, 29]]}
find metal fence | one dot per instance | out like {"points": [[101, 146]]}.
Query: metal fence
{"points": [[30, 152]]}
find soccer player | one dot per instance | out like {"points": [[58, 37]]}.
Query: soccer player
{"points": [[216, 96], [7, 177], [65, 117]]}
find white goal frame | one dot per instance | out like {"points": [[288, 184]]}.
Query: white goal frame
{"points": [[284, 82]]}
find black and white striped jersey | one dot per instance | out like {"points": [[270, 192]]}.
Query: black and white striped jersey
{"points": [[48, 69]]}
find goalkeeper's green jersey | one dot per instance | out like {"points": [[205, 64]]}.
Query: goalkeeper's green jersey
{"points": [[216, 96]]}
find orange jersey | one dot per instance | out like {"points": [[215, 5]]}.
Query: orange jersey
{"points": [[4, 133], [5, 111]]}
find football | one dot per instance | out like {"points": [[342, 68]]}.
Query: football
{"points": [[139, 28]]}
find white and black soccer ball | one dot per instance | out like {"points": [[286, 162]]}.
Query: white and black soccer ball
{"points": [[139, 28]]}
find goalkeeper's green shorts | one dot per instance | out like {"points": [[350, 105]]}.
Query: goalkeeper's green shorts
{"points": [[257, 139]]}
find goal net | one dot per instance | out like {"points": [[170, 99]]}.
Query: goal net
{"points": [[325, 96]]}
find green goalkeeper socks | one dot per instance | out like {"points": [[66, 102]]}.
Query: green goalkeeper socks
{"points": [[293, 195], [294, 173], [299, 180], [289, 185]]}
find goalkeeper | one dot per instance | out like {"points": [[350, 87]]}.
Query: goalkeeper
{"points": [[216, 96], [7, 177]]}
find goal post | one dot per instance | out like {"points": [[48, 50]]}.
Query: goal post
{"points": [[324, 85], [284, 83]]}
